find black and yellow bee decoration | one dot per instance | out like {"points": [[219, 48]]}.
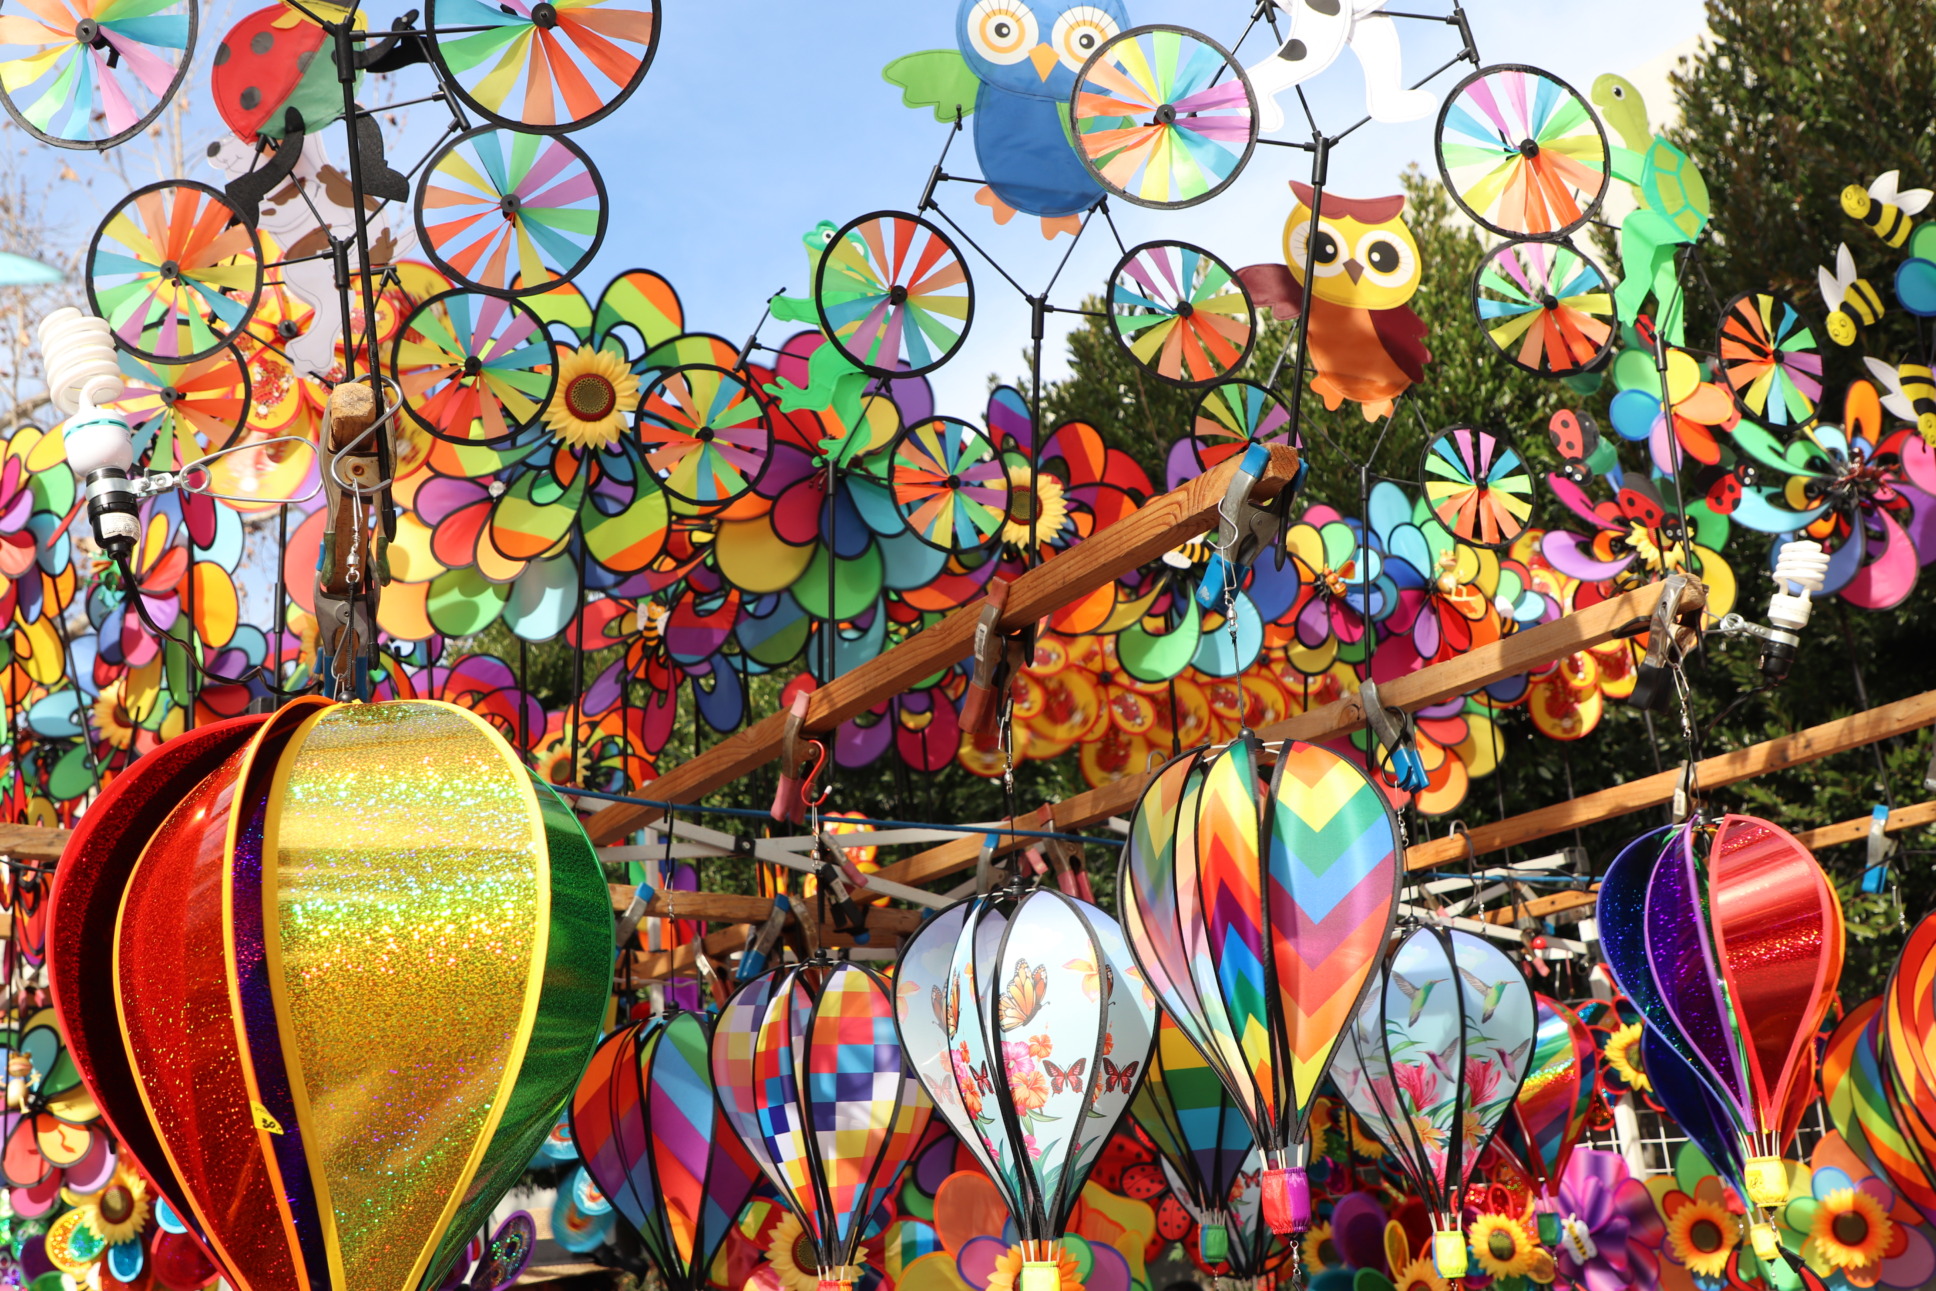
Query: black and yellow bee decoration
{"points": [[1852, 301], [1909, 391], [1885, 208]]}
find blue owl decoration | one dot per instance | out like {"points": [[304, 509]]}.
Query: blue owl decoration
{"points": [[1014, 69]]}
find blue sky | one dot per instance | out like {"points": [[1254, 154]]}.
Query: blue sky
{"points": [[760, 119]]}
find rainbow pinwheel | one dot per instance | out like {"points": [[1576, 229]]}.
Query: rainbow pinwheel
{"points": [[1433, 1061], [95, 72], [1257, 913], [810, 1077], [646, 1126]]}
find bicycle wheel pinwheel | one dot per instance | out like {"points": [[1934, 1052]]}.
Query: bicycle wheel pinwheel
{"points": [[705, 432], [552, 66], [1163, 117], [949, 483], [475, 368], [1478, 486], [1233, 415], [175, 271], [1545, 307], [1771, 359], [1180, 313], [509, 212], [1522, 153], [93, 73], [894, 294], [185, 409]]}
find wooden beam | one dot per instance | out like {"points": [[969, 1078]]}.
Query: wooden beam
{"points": [[1779, 754], [32, 842], [1159, 525], [1507, 657], [1850, 831], [1540, 907]]}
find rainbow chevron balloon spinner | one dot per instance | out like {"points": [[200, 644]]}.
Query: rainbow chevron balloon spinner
{"points": [[1257, 917]]}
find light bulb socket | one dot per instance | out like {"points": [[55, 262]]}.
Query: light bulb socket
{"points": [[113, 510], [1778, 651]]}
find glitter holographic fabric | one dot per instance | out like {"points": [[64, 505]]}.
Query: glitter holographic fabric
{"points": [[86, 902], [406, 948], [571, 1008], [171, 976]]}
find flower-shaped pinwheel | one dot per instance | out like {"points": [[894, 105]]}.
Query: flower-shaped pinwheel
{"points": [[1850, 1228], [1441, 607], [37, 495], [1852, 488], [1342, 588], [1636, 537], [1610, 1233], [579, 474]]}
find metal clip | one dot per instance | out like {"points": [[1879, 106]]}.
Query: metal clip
{"points": [[985, 864], [1392, 729], [1875, 874], [789, 803], [1673, 633], [1686, 796], [1244, 529], [753, 960], [848, 916], [999, 655]]}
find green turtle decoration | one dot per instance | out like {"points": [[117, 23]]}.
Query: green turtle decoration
{"points": [[1673, 208]]}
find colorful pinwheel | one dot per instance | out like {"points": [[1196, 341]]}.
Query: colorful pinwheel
{"points": [[1163, 117], [97, 73], [1522, 153], [1180, 313]]}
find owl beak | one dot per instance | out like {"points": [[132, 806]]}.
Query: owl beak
{"points": [[1355, 269], [1043, 56]]}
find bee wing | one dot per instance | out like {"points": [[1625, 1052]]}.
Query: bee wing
{"points": [[1832, 291], [1884, 188], [1912, 201], [1892, 398]]}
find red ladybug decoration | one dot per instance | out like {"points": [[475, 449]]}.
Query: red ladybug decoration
{"points": [[1173, 1222], [258, 66], [1142, 1182]]}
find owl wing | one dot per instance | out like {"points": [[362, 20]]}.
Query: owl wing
{"points": [[1402, 333], [935, 78], [1271, 286]]}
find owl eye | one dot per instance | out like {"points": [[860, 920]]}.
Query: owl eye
{"points": [[1388, 261], [1079, 33], [1003, 31], [1328, 259]]}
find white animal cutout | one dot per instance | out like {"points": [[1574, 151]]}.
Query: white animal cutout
{"points": [[289, 219], [1319, 32]]}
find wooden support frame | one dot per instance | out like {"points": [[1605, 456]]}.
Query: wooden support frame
{"points": [[1717, 772], [1509, 656], [1159, 525]]}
